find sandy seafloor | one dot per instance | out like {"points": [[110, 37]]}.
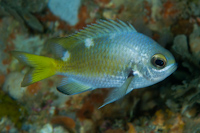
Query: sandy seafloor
{"points": [[171, 106]]}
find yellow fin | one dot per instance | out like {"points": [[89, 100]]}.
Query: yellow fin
{"points": [[42, 67]]}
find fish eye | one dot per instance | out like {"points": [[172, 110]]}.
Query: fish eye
{"points": [[159, 61]]}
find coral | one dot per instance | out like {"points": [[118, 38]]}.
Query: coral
{"points": [[114, 131], [11, 109], [87, 126], [86, 111], [131, 128], [66, 122], [83, 16], [182, 26], [169, 9], [103, 1], [165, 122], [2, 79], [155, 9], [178, 126], [194, 41], [11, 27], [28, 44], [47, 129], [180, 46], [12, 85], [170, 106], [191, 113], [159, 120], [59, 129], [67, 10], [187, 95], [195, 8], [34, 88], [21, 10]]}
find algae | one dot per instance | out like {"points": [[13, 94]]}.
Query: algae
{"points": [[11, 109]]}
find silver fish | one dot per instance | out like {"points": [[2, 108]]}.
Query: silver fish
{"points": [[109, 54]]}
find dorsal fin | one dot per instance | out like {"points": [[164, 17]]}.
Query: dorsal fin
{"points": [[101, 28], [104, 27]]}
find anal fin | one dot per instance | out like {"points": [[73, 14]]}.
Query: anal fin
{"points": [[72, 87]]}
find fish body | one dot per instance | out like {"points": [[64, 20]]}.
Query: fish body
{"points": [[109, 54]]}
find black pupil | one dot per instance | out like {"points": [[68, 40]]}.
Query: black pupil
{"points": [[159, 62]]}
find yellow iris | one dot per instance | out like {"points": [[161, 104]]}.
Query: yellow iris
{"points": [[159, 61]]}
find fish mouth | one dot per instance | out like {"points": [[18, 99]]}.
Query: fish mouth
{"points": [[162, 74], [169, 70], [173, 67]]}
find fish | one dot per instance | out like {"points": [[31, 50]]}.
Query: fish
{"points": [[107, 54]]}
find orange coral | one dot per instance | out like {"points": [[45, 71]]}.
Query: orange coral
{"points": [[49, 16], [147, 9], [159, 121], [34, 88], [76, 101], [169, 9], [131, 128], [50, 83], [121, 9], [9, 48], [182, 26], [156, 36], [198, 20], [69, 102], [159, 118], [178, 125], [10, 45], [6, 61], [2, 79], [115, 131], [65, 121], [8, 127], [86, 111], [97, 98], [166, 122], [83, 15]]}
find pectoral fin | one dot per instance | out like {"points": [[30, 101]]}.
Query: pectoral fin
{"points": [[72, 87], [118, 92]]}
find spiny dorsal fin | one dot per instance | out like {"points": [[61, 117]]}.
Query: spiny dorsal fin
{"points": [[104, 27], [101, 28]]}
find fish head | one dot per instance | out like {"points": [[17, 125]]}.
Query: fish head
{"points": [[158, 65]]}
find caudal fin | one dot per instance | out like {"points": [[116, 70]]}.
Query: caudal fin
{"points": [[41, 67]]}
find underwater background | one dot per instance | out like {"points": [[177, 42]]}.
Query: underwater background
{"points": [[171, 106]]}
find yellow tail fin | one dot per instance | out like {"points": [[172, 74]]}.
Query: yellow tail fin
{"points": [[42, 67]]}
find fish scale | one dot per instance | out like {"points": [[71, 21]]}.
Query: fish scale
{"points": [[104, 65]]}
